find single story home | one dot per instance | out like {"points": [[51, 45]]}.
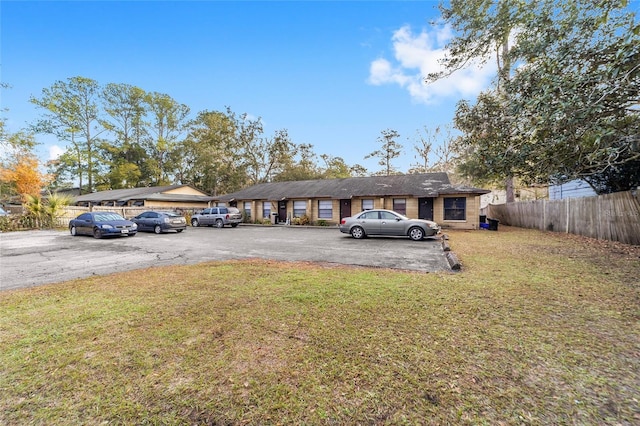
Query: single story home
{"points": [[170, 196], [426, 196]]}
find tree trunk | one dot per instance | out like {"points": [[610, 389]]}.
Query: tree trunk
{"points": [[509, 189]]}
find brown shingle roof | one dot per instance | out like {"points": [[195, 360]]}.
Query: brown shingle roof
{"points": [[415, 185], [146, 193]]}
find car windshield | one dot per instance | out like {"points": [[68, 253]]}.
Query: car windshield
{"points": [[2, 211], [105, 217]]}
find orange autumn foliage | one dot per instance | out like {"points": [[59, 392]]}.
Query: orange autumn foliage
{"points": [[25, 176]]}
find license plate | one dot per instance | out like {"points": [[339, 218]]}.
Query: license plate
{"points": [[177, 221], [124, 231]]}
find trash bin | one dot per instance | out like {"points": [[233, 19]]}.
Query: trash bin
{"points": [[274, 218], [483, 218], [493, 224]]}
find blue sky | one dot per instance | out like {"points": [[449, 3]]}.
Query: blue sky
{"points": [[333, 73]]}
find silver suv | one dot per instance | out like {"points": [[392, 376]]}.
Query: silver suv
{"points": [[218, 216]]}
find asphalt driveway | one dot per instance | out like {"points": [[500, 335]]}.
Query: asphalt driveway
{"points": [[41, 257]]}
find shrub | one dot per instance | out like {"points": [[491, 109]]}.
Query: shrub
{"points": [[302, 220]]}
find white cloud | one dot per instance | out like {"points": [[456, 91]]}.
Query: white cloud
{"points": [[416, 56], [55, 152]]}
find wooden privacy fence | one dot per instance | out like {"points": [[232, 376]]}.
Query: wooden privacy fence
{"points": [[614, 217]]}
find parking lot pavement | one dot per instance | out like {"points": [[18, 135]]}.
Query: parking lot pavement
{"points": [[33, 258]]}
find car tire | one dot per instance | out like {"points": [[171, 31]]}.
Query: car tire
{"points": [[233, 225], [416, 234], [357, 232], [179, 230], [195, 223], [219, 223], [96, 233], [157, 229], [73, 231]]}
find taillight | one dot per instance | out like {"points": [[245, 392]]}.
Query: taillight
{"points": [[343, 221], [227, 217]]}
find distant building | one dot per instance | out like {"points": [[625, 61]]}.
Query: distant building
{"points": [[573, 189], [175, 196]]}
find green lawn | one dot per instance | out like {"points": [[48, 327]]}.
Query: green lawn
{"points": [[538, 328]]}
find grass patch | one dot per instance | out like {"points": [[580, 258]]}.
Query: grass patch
{"points": [[540, 328]]}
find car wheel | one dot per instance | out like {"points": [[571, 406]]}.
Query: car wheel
{"points": [[157, 229], [179, 230], [357, 232], [233, 225], [416, 234], [219, 223], [194, 223], [73, 231], [97, 233]]}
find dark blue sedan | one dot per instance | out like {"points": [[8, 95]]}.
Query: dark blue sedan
{"points": [[160, 222], [102, 224]]}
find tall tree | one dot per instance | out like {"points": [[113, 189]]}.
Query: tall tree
{"points": [[168, 120], [484, 29], [336, 167], [487, 141], [72, 114], [579, 92], [263, 158], [564, 103], [389, 150], [445, 157], [422, 148], [302, 166], [211, 159], [125, 109]]}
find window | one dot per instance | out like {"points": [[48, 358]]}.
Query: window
{"points": [[325, 209], [400, 205], [299, 208], [388, 216], [455, 208], [247, 208], [367, 204], [266, 209], [369, 215]]}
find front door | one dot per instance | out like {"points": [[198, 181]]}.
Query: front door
{"points": [[345, 208], [282, 211], [425, 208]]}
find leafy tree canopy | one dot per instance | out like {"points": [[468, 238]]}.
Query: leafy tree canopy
{"points": [[565, 105]]}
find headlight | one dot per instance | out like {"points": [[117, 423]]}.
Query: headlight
{"points": [[166, 220], [134, 226], [106, 226]]}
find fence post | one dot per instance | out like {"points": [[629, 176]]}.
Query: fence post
{"points": [[567, 215]]}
